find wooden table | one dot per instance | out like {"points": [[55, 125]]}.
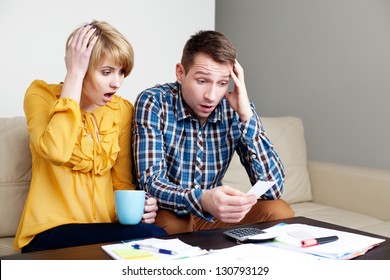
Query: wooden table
{"points": [[207, 239]]}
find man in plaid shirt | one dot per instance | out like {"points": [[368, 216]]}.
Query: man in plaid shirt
{"points": [[185, 135]]}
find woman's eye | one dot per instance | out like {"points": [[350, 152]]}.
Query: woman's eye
{"points": [[106, 73], [122, 72]]}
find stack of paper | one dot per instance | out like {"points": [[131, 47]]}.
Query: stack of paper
{"points": [[255, 251], [153, 249], [347, 246], [288, 244]]}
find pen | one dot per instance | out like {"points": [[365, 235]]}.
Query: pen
{"points": [[318, 241], [153, 249]]}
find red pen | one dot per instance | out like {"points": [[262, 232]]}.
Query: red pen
{"points": [[318, 241]]}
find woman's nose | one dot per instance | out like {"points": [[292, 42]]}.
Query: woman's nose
{"points": [[116, 81]]}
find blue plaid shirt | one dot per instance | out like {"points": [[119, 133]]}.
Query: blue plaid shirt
{"points": [[176, 157]]}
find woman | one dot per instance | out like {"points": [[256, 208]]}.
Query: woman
{"points": [[80, 140]]}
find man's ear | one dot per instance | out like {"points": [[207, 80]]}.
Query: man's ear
{"points": [[179, 72]]}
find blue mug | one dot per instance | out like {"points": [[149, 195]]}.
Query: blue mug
{"points": [[129, 206]]}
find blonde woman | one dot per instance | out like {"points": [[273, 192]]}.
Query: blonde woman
{"points": [[80, 139]]}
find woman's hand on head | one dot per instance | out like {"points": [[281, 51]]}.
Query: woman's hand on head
{"points": [[79, 51], [151, 208]]}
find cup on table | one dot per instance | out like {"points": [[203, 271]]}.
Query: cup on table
{"points": [[129, 206]]}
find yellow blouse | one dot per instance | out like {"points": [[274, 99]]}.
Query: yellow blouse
{"points": [[78, 160]]}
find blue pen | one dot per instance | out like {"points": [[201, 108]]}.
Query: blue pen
{"points": [[153, 249]]}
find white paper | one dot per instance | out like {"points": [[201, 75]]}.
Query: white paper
{"points": [[255, 252], [348, 245], [182, 249], [261, 187]]}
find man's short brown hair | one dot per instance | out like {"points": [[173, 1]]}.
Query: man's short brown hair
{"points": [[211, 43]]}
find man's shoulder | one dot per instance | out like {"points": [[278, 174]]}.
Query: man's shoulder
{"points": [[159, 92]]}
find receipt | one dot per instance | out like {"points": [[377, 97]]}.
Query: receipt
{"points": [[261, 187]]}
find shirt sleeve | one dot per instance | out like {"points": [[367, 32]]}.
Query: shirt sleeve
{"points": [[122, 170], [53, 123], [150, 160], [258, 156]]}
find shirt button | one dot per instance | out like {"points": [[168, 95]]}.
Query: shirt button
{"points": [[254, 156], [244, 131], [197, 187]]}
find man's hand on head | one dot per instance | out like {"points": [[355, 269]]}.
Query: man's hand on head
{"points": [[238, 98]]}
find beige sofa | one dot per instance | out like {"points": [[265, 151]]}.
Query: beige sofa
{"points": [[350, 196]]}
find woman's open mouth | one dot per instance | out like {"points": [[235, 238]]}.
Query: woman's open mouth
{"points": [[108, 96]]}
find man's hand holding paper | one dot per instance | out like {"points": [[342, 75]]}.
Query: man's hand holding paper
{"points": [[261, 187]]}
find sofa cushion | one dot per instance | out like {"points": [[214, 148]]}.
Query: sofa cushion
{"points": [[333, 184], [15, 172], [287, 136], [334, 215], [7, 247], [381, 228]]}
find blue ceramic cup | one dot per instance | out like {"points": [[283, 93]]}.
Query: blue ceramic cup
{"points": [[129, 206]]}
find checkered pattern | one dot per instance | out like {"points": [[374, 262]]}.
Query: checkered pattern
{"points": [[176, 157]]}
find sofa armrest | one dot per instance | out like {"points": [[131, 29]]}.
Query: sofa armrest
{"points": [[360, 189]]}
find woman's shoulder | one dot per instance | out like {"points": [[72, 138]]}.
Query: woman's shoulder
{"points": [[119, 102], [40, 87], [121, 107]]}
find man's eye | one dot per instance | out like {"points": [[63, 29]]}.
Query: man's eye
{"points": [[106, 72], [223, 84], [122, 72], [201, 81]]}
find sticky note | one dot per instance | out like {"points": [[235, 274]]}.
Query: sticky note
{"points": [[133, 254]]}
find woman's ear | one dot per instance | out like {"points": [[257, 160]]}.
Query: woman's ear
{"points": [[179, 72]]}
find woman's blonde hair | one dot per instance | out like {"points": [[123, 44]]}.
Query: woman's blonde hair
{"points": [[110, 43]]}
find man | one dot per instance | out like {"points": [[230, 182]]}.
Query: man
{"points": [[185, 135]]}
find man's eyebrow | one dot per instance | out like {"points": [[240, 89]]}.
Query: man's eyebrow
{"points": [[200, 72]]}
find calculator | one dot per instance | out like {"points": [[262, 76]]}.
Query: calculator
{"points": [[249, 234]]}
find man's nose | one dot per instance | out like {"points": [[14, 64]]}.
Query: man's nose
{"points": [[211, 93]]}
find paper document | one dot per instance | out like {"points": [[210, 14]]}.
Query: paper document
{"points": [[261, 187], [126, 251], [255, 252], [347, 246]]}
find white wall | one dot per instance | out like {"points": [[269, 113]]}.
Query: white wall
{"points": [[326, 61], [34, 35]]}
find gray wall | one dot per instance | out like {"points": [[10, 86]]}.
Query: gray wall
{"points": [[326, 61]]}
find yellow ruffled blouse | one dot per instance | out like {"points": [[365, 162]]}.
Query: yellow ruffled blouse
{"points": [[78, 160]]}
